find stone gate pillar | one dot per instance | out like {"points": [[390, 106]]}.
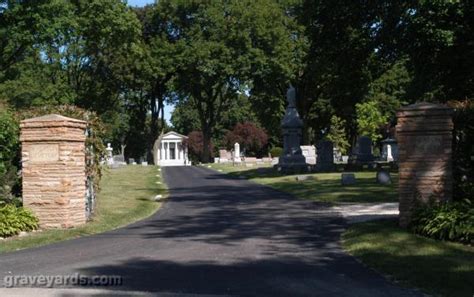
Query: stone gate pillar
{"points": [[53, 170], [424, 134]]}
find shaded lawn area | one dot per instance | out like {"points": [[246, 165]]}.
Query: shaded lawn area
{"points": [[323, 187], [125, 197], [440, 268]]}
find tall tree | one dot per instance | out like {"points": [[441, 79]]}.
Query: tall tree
{"points": [[224, 44], [439, 40], [157, 66], [335, 73]]}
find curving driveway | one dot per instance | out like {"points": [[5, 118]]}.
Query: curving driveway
{"points": [[215, 236]]}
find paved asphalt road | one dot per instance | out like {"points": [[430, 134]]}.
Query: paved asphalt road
{"points": [[216, 236]]}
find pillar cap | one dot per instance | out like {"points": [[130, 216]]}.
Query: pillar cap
{"points": [[52, 127], [51, 118], [424, 108]]}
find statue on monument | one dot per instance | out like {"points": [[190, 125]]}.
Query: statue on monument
{"points": [[291, 96]]}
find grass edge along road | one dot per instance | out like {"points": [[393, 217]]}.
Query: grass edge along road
{"points": [[126, 196], [437, 267]]}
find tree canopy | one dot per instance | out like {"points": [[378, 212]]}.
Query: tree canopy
{"points": [[223, 62]]}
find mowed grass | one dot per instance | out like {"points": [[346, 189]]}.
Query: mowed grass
{"points": [[439, 268], [323, 187], [125, 197]]}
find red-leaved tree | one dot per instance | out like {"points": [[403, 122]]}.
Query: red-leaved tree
{"points": [[195, 144], [252, 139]]}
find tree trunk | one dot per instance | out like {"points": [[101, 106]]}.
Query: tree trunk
{"points": [[206, 139]]}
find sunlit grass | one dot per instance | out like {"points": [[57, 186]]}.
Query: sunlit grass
{"points": [[324, 187], [125, 197], [440, 268]]}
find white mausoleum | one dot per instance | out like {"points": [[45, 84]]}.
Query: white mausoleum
{"points": [[169, 150]]}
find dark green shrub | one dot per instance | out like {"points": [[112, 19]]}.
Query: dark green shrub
{"points": [[276, 152], [9, 155], [14, 219], [463, 148], [445, 221]]}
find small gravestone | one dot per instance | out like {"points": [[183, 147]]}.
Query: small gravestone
{"points": [[304, 177], [348, 179], [119, 159], [252, 160], [275, 161], [224, 156], [131, 161], [363, 150], [337, 155], [325, 156], [309, 152], [383, 178]]}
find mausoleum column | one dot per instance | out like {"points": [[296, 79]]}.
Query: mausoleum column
{"points": [[161, 151], [176, 150]]}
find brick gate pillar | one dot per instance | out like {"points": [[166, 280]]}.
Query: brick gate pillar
{"points": [[424, 135], [53, 170]]}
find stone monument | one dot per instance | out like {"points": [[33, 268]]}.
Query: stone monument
{"points": [[389, 150], [110, 157], [236, 156], [424, 135], [309, 152], [225, 156], [363, 151], [325, 156], [292, 159], [54, 170]]}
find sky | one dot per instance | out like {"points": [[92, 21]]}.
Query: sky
{"points": [[168, 108], [139, 2]]}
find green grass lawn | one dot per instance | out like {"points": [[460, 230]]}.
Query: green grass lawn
{"points": [[125, 197], [439, 268], [324, 187]]}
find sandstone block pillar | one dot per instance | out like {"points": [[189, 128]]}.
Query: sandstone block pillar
{"points": [[424, 135], [54, 170]]}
